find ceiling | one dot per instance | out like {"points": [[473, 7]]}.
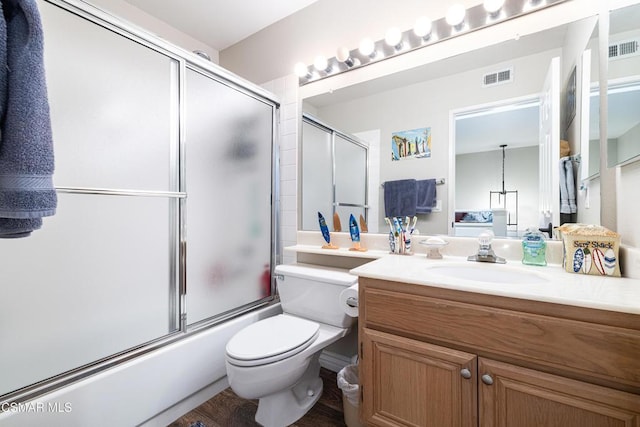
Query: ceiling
{"points": [[220, 23], [516, 126]]}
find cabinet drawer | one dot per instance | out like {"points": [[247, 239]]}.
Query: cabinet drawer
{"points": [[583, 349]]}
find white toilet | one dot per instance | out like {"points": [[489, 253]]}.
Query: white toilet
{"points": [[276, 359]]}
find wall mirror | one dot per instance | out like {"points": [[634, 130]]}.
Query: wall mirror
{"points": [[623, 105], [431, 96], [623, 93]]}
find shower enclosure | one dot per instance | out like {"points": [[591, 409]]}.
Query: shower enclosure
{"points": [[165, 224], [334, 175]]}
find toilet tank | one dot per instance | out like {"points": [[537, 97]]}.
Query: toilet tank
{"points": [[312, 292]]}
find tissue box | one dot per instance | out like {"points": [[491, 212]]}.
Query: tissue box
{"points": [[590, 249]]}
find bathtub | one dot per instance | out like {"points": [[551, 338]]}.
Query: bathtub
{"points": [[151, 390]]}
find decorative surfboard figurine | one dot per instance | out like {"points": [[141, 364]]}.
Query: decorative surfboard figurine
{"points": [[325, 233], [586, 266], [609, 262], [598, 261], [355, 235], [363, 225], [337, 226], [578, 260]]}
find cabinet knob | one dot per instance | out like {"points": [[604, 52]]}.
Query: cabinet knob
{"points": [[466, 374], [486, 378]]}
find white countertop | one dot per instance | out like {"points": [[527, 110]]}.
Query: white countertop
{"points": [[550, 284]]}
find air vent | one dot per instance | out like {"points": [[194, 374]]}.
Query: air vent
{"points": [[498, 77], [623, 49]]}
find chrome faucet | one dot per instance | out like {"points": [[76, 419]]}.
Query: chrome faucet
{"points": [[485, 252]]}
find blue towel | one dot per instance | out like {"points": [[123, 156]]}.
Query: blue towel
{"points": [[400, 198], [3, 67], [426, 195], [26, 145]]}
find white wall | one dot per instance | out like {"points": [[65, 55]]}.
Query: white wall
{"points": [[286, 88], [161, 29]]}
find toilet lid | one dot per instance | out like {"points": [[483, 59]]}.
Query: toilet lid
{"points": [[271, 339]]}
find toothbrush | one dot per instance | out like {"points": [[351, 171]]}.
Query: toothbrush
{"points": [[393, 233], [399, 237], [388, 221], [407, 235], [392, 240], [413, 224]]}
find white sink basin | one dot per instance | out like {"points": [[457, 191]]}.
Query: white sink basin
{"points": [[486, 273]]}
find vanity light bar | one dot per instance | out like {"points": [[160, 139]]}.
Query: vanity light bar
{"points": [[475, 18]]}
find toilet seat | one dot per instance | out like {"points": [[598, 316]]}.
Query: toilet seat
{"points": [[271, 340]]}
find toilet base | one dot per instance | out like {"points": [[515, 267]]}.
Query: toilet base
{"points": [[286, 407]]}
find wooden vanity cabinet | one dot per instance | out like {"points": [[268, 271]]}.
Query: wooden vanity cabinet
{"points": [[437, 357]]}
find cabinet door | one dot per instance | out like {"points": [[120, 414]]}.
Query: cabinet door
{"points": [[408, 382], [527, 398]]}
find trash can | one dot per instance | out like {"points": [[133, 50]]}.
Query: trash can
{"points": [[348, 382]]}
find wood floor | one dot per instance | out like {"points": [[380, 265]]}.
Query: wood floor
{"points": [[228, 410]]}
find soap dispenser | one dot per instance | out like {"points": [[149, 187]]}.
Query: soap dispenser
{"points": [[534, 248]]}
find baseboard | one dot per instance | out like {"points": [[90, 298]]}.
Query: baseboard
{"points": [[334, 361]]}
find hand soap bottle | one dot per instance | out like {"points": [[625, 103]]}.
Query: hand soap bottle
{"points": [[534, 248]]}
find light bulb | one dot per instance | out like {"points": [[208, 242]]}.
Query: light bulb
{"points": [[493, 6], [321, 63], [343, 55], [393, 38], [532, 4], [301, 70], [423, 27], [367, 47], [455, 15]]}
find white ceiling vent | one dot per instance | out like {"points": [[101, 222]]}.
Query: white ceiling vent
{"points": [[498, 77], [623, 49]]}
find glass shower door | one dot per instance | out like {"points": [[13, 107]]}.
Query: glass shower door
{"points": [[351, 180], [99, 278], [228, 145], [317, 176]]}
